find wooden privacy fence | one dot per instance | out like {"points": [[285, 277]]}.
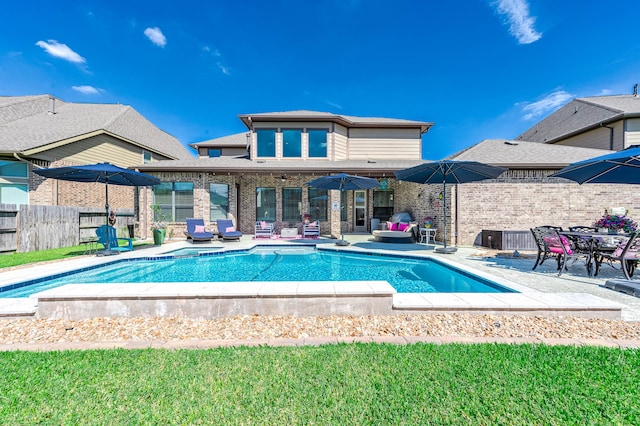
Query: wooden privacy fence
{"points": [[29, 228]]}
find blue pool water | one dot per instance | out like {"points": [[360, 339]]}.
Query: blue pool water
{"points": [[405, 274]]}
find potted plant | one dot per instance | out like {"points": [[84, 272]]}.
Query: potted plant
{"points": [[614, 223], [159, 226]]}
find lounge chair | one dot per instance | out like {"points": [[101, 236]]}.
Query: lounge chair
{"points": [[196, 230], [263, 229], [109, 232], [311, 229], [227, 231]]}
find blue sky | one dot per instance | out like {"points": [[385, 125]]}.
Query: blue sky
{"points": [[479, 69]]}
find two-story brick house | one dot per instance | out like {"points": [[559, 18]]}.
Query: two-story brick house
{"points": [[260, 174]]}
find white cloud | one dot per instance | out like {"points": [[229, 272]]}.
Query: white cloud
{"points": [[225, 70], [61, 50], [155, 35], [550, 102], [86, 90], [520, 22]]}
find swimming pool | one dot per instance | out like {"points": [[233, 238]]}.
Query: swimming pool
{"points": [[268, 263]]}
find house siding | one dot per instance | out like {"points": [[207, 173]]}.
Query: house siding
{"points": [[339, 143], [384, 144], [598, 138], [92, 149]]}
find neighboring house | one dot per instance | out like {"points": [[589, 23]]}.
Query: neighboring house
{"points": [[43, 131], [260, 174], [603, 122]]}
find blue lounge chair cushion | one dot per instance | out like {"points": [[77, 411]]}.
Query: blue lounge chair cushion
{"points": [[223, 225], [197, 224]]}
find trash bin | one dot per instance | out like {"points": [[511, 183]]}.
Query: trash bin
{"points": [[131, 232], [374, 224]]}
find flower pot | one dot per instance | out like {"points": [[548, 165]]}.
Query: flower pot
{"points": [[158, 236], [612, 231]]}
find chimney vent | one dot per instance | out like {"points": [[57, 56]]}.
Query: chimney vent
{"points": [[52, 105], [635, 90]]}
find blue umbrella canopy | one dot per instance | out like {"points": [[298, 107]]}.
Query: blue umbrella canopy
{"points": [[618, 167], [449, 171], [106, 173], [343, 182]]}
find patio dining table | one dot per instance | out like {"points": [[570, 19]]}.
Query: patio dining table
{"points": [[594, 244]]}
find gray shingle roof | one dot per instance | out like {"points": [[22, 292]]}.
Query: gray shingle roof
{"points": [[520, 154], [26, 124], [346, 120], [237, 140], [244, 165], [582, 114]]}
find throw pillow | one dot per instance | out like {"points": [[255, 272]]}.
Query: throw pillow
{"points": [[230, 229], [403, 226], [312, 225], [394, 227], [199, 229], [263, 224]]}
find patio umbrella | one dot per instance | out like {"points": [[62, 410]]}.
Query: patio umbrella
{"points": [[343, 182], [618, 167], [104, 173], [449, 171]]}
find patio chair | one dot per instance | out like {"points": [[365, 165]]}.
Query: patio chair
{"points": [[105, 232], [311, 229], [566, 249], [627, 253], [263, 229], [227, 231], [544, 252], [196, 232]]}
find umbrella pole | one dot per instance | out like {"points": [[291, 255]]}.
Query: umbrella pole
{"points": [[107, 247], [445, 249]]}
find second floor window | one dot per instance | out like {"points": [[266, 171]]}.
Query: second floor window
{"points": [[292, 143], [317, 143], [266, 142], [213, 153]]}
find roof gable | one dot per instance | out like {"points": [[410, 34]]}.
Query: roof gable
{"points": [[582, 114], [31, 123]]}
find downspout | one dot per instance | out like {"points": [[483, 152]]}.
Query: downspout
{"points": [[610, 135]]}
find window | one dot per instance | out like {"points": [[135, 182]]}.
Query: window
{"points": [[218, 201], [292, 143], [146, 157], [174, 200], [266, 142], [291, 204], [214, 153], [317, 142], [266, 204], [318, 200], [382, 204], [14, 182]]}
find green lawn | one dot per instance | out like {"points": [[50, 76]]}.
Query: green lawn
{"points": [[14, 259], [347, 384]]}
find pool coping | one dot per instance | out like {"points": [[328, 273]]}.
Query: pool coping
{"points": [[526, 302]]}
